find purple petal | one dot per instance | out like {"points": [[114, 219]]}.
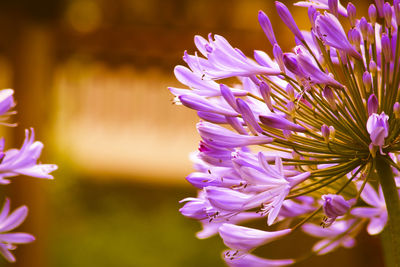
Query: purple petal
{"points": [[17, 238], [275, 121], [244, 238], [249, 260], [15, 219], [287, 18]]}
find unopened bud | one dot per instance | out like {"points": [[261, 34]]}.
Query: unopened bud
{"points": [[325, 132], [364, 27], [367, 80], [290, 92], [372, 67], [372, 13], [291, 107], [396, 110], [370, 34], [386, 47], [330, 97], [379, 6], [372, 105], [354, 37], [332, 133], [351, 13], [278, 55], [333, 7], [335, 205], [265, 91], [396, 5], [387, 14]]}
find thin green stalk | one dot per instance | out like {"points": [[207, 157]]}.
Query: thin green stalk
{"points": [[391, 240]]}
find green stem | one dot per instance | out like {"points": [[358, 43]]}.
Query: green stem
{"points": [[391, 239]]}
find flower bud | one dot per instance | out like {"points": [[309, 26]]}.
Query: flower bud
{"points": [[287, 18], [355, 38], [396, 110], [265, 24], [364, 27], [278, 55], [372, 67], [335, 205], [372, 13], [396, 5], [265, 91], [386, 47], [332, 133], [372, 105], [367, 80], [379, 6], [325, 132], [351, 13], [387, 14], [291, 107], [330, 97], [290, 92], [370, 34], [333, 7], [312, 15]]}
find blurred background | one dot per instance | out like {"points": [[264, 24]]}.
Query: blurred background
{"points": [[91, 77]]}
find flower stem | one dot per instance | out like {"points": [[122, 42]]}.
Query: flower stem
{"points": [[391, 239]]}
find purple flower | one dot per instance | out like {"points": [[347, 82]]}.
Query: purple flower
{"points": [[333, 237], [334, 206], [6, 101], [294, 128], [331, 32], [322, 4], [24, 161], [377, 213], [378, 128], [9, 222]]}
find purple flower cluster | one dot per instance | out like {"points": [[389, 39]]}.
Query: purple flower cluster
{"points": [[293, 139], [15, 162]]}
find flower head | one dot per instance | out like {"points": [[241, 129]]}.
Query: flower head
{"points": [[9, 222], [297, 139]]}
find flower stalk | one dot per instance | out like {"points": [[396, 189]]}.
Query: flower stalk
{"points": [[391, 238]]}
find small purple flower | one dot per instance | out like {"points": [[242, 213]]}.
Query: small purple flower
{"points": [[378, 128], [24, 161], [377, 213], [330, 236], [9, 222], [331, 32], [334, 206]]}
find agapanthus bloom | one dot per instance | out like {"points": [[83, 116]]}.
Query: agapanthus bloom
{"points": [[299, 138], [14, 162]]}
